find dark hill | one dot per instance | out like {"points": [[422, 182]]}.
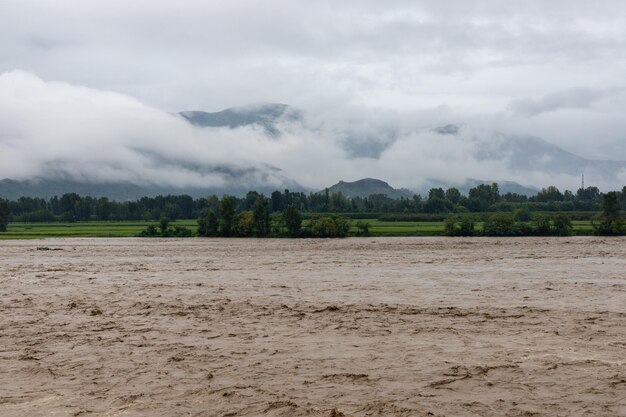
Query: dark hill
{"points": [[366, 187], [265, 115]]}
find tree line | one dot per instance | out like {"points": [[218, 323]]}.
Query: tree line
{"points": [[482, 198], [258, 215], [72, 207], [524, 223]]}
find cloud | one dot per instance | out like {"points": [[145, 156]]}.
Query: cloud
{"points": [[401, 55], [53, 129], [576, 98]]}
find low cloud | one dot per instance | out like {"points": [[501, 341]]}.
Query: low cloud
{"points": [[53, 129], [576, 98]]}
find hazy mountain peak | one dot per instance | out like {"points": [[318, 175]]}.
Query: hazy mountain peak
{"points": [[366, 187], [448, 129], [266, 115]]}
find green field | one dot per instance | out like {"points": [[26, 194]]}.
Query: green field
{"points": [[133, 228], [380, 228], [83, 229]]}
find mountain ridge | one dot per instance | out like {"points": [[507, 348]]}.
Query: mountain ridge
{"points": [[366, 187]]}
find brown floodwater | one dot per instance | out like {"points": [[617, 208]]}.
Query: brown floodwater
{"points": [[354, 327]]}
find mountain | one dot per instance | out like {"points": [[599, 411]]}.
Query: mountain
{"points": [[123, 191], [528, 153], [515, 157], [366, 187], [503, 186], [266, 115]]}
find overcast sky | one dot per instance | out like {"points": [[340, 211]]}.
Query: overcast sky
{"points": [[549, 68]]}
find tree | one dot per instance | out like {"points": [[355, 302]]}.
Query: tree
{"points": [[454, 195], [4, 215], [363, 228], [69, 203], [244, 223], [250, 200], [293, 220], [437, 205], [548, 194], [227, 215], [522, 214], [562, 224], [171, 211], [459, 227], [500, 224], [611, 222], [208, 226], [466, 226], [277, 201], [436, 193], [164, 224], [261, 217], [589, 193], [483, 196], [543, 227], [451, 225]]}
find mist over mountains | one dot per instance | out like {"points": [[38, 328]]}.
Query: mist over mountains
{"points": [[108, 144]]}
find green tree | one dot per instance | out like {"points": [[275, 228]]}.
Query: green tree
{"points": [[293, 220], [209, 225], [437, 205], [4, 215], [522, 214], [150, 231], [363, 228], [543, 226], [454, 195], [463, 226], [450, 225], [261, 217], [611, 222], [481, 197], [589, 193], [562, 224], [227, 215], [171, 211], [244, 223], [467, 226], [550, 193], [500, 224], [164, 225], [436, 193], [343, 226], [329, 226]]}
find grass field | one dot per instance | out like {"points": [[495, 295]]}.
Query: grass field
{"points": [[133, 228], [83, 229], [379, 228]]}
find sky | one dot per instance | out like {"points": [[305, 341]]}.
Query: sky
{"points": [[83, 84]]}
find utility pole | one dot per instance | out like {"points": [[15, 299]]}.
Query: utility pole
{"points": [[582, 185]]}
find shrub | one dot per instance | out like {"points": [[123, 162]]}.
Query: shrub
{"points": [[543, 226], [562, 225], [363, 228], [522, 214], [329, 226], [463, 226], [500, 224]]}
